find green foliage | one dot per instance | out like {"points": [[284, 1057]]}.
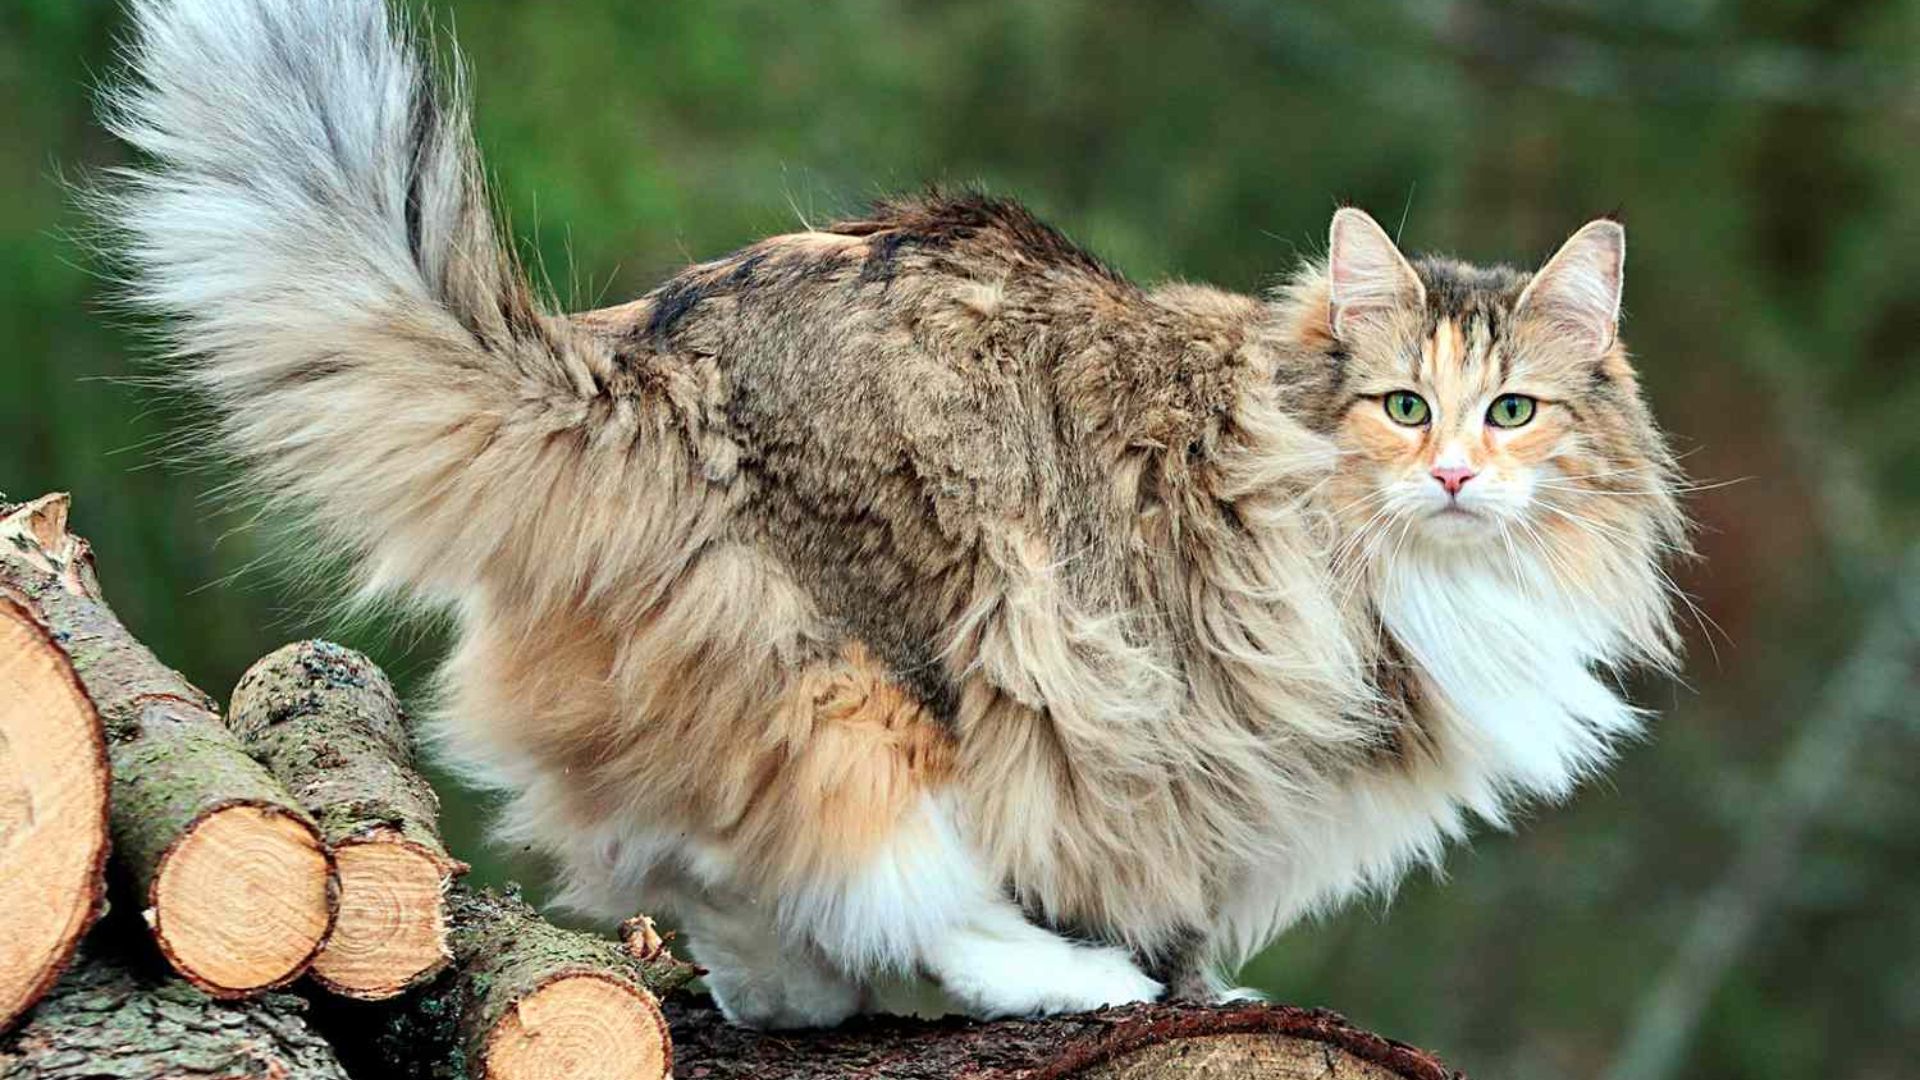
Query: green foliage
{"points": [[1763, 152]]}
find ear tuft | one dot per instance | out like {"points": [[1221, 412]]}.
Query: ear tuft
{"points": [[1578, 289], [1366, 274]]}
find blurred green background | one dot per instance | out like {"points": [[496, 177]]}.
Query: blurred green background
{"points": [[1741, 898]]}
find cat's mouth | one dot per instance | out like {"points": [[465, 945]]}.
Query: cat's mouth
{"points": [[1455, 522]]}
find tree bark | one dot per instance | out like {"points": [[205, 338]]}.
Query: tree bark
{"points": [[53, 810], [104, 1022], [326, 721], [523, 1000], [232, 875], [1138, 1042]]}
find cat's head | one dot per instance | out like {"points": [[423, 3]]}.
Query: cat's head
{"points": [[1490, 409]]}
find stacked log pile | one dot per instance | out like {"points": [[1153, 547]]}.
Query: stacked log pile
{"points": [[194, 819], [293, 837]]}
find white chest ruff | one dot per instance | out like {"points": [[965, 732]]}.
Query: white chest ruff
{"points": [[1519, 708], [1516, 669]]}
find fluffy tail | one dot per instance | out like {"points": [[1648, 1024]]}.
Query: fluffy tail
{"points": [[312, 221]]}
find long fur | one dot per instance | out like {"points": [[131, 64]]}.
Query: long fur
{"points": [[924, 613], [313, 218]]}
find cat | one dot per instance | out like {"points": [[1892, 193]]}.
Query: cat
{"points": [[920, 613]]}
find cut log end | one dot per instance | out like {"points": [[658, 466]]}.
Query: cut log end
{"points": [[53, 811], [243, 900], [392, 929], [585, 1025], [1238, 1057]]}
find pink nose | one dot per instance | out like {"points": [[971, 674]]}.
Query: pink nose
{"points": [[1453, 477]]}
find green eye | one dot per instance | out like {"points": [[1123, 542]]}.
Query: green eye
{"points": [[1510, 410], [1407, 407]]}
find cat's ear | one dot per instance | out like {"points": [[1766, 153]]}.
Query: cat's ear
{"points": [[1366, 274], [1579, 288]]}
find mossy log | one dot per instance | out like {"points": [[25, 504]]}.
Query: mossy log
{"points": [[231, 874], [518, 997], [53, 810], [104, 1021], [1137, 1042], [522, 1000], [326, 721]]}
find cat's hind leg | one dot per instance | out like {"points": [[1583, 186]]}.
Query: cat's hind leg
{"points": [[763, 981], [847, 865]]}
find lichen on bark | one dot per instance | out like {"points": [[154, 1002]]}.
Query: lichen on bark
{"points": [[178, 766], [103, 1021], [325, 719]]}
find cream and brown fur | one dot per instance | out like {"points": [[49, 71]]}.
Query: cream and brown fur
{"points": [[921, 612]]}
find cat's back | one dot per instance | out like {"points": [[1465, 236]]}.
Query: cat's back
{"points": [[917, 346], [900, 384], [956, 335]]}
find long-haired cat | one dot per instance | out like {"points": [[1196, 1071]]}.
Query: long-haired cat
{"points": [[917, 610]]}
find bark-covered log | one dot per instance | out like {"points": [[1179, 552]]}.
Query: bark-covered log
{"points": [[1137, 1042], [104, 1022], [53, 810], [329, 725], [234, 880], [523, 1000]]}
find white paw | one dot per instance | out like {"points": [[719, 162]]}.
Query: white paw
{"points": [[783, 1001], [994, 980]]}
